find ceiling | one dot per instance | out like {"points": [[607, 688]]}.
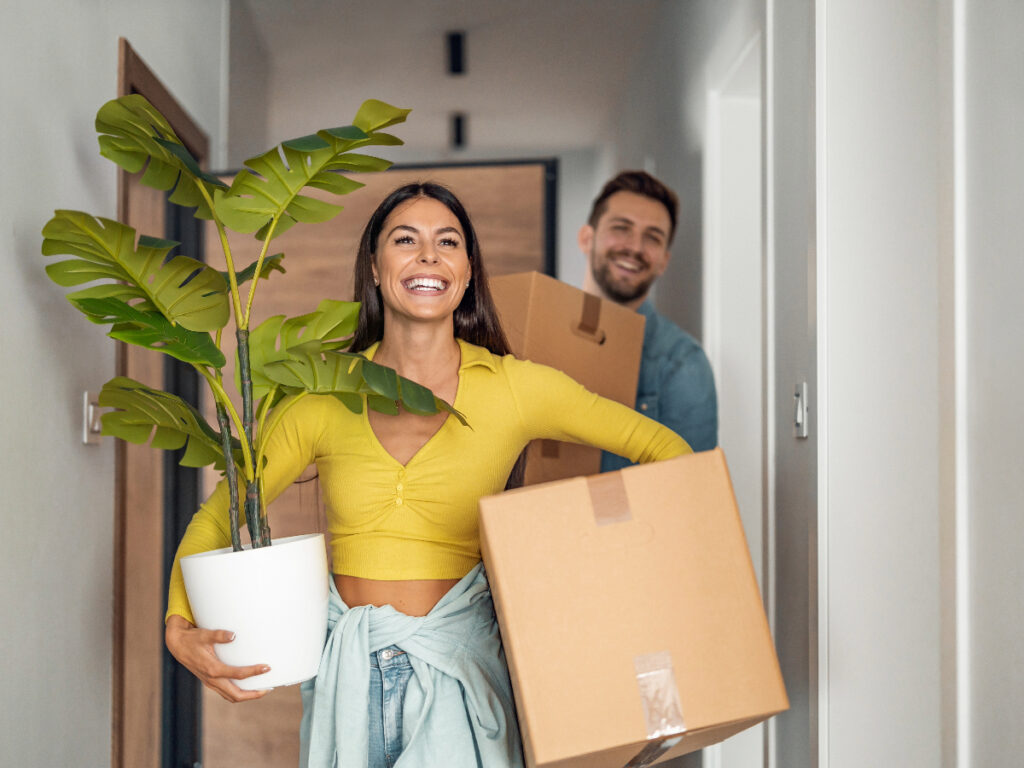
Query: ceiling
{"points": [[542, 75]]}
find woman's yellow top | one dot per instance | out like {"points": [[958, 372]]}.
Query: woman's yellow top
{"points": [[391, 521]]}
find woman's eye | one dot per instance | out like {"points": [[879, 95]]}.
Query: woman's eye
{"points": [[450, 242], [403, 239]]}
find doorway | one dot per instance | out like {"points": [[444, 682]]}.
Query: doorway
{"points": [[734, 320]]}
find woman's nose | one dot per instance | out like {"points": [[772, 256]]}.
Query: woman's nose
{"points": [[428, 255]]}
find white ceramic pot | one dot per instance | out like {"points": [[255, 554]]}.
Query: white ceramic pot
{"points": [[273, 598]]}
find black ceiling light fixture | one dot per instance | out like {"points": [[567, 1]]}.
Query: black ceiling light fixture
{"points": [[456, 45], [457, 132]]}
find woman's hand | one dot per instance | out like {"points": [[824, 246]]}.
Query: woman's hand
{"points": [[193, 647]]}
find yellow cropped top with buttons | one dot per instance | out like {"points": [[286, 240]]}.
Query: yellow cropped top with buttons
{"points": [[392, 521]]}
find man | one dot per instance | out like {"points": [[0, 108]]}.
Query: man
{"points": [[626, 242]]}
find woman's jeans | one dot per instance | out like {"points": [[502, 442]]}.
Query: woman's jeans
{"points": [[390, 671]]}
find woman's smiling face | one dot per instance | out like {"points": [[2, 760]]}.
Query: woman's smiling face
{"points": [[421, 261]]}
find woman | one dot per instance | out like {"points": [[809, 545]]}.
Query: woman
{"points": [[412, 626]]}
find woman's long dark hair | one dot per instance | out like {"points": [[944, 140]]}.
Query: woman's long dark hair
{"points": [[476, 318]]}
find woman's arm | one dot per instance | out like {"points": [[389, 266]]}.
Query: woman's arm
{"points": [[553, 406]]}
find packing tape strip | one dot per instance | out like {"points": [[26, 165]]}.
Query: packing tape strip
{"points": [[652, 751], [589, 326], [608, 498], [659, 695]]}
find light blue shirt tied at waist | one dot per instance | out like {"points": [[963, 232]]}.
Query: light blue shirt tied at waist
{"points": [[458, 709]]}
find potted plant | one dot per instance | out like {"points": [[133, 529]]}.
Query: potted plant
{"points": [[182, 307]]}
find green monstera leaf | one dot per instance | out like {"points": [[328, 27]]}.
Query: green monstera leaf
{"points": [[270, 264], [185, 291], [329, 327], [135, 135], [269, 188], [153, 331], [347, 376], [144, 414]]}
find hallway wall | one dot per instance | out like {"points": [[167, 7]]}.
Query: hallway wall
{"points": [[994, 368], [58, 66], [880, 154]]}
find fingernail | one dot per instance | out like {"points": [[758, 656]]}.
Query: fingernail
{"points": [[265, 668], [231, 639]]}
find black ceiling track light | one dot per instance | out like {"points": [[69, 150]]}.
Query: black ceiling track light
{"points": [[457, 134], [456, 45]]}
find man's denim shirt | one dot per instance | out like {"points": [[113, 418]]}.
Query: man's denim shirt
{"points": [[676, 386]]}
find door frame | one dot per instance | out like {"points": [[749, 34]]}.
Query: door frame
{"points": [[735, 102], [136, 706]]}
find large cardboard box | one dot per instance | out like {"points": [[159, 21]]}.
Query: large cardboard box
{"points": [[595, 341], [630, 614]]}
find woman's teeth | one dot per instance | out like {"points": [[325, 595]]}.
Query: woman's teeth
{"points": [[425, 284]]}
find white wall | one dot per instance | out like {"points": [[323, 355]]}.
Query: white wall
{"points": [[879, 155], [59, 64], [994, 367], [247, 98]]}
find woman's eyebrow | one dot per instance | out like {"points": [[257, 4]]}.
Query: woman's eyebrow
{"points": [[403, 227]]}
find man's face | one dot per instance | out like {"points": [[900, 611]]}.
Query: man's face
{"points": [[628, 249]]}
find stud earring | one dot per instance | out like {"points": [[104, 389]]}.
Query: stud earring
{"points": [[376, 281]]}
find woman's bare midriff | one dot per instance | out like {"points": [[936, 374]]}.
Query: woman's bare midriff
{"points": [[413, 598]]}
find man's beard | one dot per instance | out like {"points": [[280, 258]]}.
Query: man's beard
{"points": [[620, 293]]}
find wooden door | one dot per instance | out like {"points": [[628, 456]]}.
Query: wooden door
{"points": [[511, 206]]}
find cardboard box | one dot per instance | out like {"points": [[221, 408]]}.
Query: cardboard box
{"points": [[597, 342], [630, 614]]}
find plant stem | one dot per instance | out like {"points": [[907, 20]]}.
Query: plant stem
{"points": [[255, 515], [279, 413], [231, 473], [229, 263], [264, 409], [245, 375], [222, 398], [264, 521], [259, 266], [252, 514]]}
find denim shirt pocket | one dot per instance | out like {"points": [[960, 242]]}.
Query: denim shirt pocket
{"points": [[648, 406]]}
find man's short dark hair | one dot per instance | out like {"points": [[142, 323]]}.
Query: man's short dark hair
{"points": [[640, 183]]}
